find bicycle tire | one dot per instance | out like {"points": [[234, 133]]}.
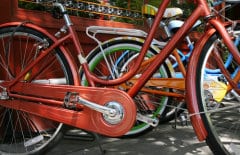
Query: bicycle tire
{"points": [[20, 132], [113, 49], [222, 125]]}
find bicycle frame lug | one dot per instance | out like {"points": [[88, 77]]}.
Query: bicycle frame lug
{"points": [[151, 121], [63, 30]]}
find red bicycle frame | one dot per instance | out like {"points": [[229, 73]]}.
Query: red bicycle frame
{"points": [[80, 119]]}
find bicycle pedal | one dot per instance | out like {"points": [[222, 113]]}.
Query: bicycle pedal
{"points": [[70, 100]]}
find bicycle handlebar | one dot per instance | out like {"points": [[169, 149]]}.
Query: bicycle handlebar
{"points": [[63, 10], [60, 6]]}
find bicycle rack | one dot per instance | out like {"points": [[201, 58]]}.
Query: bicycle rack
{"points": [[92, 31]]}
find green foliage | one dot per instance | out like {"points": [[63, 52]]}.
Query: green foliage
{"points": [[187, 7], [154, 2], [135, 5]]}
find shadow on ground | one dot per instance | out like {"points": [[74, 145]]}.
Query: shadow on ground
{"points": [[163, 140]]}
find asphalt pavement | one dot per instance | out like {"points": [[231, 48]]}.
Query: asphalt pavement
{"points": [[162, 140]]}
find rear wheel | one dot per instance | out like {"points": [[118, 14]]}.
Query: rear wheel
{"points": [[118, 58], [22, 132]]}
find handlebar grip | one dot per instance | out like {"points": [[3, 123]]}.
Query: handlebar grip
{"points": [[61, 7], [59, 11]]}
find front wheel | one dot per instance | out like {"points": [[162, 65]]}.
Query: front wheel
{"points": [[220, 117]]}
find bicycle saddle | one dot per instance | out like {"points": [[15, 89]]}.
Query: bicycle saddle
{"points": [[150, 10], [174, 25]]}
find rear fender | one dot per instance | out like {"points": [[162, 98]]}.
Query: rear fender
{"points": [[67, 55]]}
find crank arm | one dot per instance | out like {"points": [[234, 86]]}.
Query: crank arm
{"points": [[151, 121], [96, 107], [73, 100]]}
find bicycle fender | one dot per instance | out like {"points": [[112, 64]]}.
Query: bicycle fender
{"points": [[68, 57], [28, 25], [191, 96]]}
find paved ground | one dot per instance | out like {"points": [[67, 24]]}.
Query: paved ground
{"points": [[163, 140]]}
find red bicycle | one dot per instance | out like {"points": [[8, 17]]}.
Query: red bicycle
{"points": [[41, 88]]}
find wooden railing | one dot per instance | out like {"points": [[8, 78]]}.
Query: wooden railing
{"points": [[83, 8], [10, 11]]}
